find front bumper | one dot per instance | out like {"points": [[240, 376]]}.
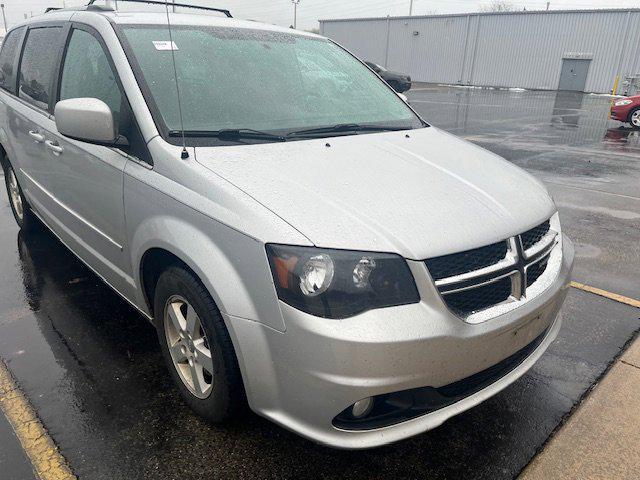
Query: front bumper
{"points": [[621, 113], [304, 377]]}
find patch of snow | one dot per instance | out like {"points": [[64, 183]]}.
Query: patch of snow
{"points": [[475, 87], [479, 87]]}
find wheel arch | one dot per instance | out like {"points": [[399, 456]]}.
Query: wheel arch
{"points": [[631, 112], [156, 258], [153, 263], [231, 278], [4, 159], [5, 148]]}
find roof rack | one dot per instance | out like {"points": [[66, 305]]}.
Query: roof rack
{"points": [[173, 4]]}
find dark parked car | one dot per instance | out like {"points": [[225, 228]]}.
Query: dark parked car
{"points": [[398, 81]]}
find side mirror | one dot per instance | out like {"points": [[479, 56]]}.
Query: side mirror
{"points": [[86, 119]]}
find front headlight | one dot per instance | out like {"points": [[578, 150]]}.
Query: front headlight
{"points": [[622, 103], [340, 283]]}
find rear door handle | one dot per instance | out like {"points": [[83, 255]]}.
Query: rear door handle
{"points": [[54, 147], [37, 137]]}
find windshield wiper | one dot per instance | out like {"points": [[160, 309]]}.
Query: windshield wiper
{"points": [[345, 127], [231, 134]]}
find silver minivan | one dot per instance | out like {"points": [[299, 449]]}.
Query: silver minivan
{"points": [[303, 241]]}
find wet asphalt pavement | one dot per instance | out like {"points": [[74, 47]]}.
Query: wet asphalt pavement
{"points": [[14, 464], [92, 368]]}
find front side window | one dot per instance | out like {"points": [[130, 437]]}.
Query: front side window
{"points": [[252, 79], [87, 73], [36, 66], [7, 59]]}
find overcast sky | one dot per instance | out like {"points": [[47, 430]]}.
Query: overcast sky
{"points": [[280, 12]]}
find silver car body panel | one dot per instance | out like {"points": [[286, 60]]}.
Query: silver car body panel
{"points": [[317, 369], [420, 194]]}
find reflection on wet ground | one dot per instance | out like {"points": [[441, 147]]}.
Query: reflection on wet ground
{"points": [[623, 137], [557, 118], [560, 136], [93, 370], [567, 108]]}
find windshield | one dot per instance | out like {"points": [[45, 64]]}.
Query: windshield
{"points": [[251, 79]]}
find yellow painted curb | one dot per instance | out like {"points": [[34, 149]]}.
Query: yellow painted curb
{"points": [[604, 293], [47, 461]]}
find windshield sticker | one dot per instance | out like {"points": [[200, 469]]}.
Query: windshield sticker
{"points": [[164, 45]]}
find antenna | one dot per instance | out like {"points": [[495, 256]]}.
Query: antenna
{"points": [[184, 155]]}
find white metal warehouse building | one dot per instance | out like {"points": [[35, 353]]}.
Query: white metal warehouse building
{"points": [[552, 50]]}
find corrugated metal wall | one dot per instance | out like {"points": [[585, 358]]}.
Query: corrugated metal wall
{"points": [[516, 49]]}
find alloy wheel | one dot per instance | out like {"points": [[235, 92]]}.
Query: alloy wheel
{"points": [[635, 118], [15, 195], [189, 347]]}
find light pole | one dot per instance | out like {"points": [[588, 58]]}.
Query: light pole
{"points": [[4, 18], [410, 7], [295, 12]]}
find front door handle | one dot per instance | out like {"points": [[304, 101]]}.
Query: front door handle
{"points": [[37, 137], [54, 147]]}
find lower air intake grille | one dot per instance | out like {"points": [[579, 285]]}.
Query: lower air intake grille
{"points": [[466, 302]]}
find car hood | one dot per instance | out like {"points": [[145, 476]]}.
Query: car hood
{"points": [[419, 193]]}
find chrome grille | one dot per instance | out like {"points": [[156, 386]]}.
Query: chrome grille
{"points": [[533, 236], [480, 298], [458, 263], [476, 280], [534, 271]]}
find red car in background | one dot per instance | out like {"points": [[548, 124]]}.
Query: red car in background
{"points": [[627, 110]]}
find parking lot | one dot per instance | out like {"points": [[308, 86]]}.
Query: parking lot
{"points": [[92, 369]]}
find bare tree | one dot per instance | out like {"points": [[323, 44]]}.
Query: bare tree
{"points": [[497, 6]]}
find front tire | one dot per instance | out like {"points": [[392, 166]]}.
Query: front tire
{"points": [[197, 347], [634, 118], [20, 208]]}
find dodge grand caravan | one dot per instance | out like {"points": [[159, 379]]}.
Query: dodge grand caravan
{"points": [[303, 241]]}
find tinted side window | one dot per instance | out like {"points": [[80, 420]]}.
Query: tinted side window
{"points": [[36, 66], [87, 73], [7, 59]]}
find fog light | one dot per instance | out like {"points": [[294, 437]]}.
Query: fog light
{"points": [[362, 407]]}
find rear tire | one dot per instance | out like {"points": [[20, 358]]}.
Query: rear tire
{"points": [[197, 347], [634, 118], [20, 208]]}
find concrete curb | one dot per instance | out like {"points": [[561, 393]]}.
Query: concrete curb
{"points": [[601, 440]]}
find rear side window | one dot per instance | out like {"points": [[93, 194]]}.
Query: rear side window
{"points": [[87, 73], [7, 59], [36, 66]]}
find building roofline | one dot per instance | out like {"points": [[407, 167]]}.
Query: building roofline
{"points": [[484, 14]]}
